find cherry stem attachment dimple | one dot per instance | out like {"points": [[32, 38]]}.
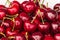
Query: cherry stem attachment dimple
{"points": [[26, 35]]}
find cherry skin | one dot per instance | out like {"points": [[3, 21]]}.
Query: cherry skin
{"points": [[24, 16], [44, 28], [7, 23], [58, 18], [4, 38], [18, 23], [14, 8], [50, 15], [29, 7], [48, 37], [2, 29], [57, 36], [57, 8], [29, 27], [20, 37], [36, 36], [2, 7], [2, 13], [42, 13], [55, 27], [9, 32]]}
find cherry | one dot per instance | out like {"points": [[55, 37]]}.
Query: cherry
{"points": [[55, 27], [48, 37], [57, 8], [13, 9], [7, 23], [24, 16], [1, 29], [18, 23], [2, 13], [41, 14], [44, 28], [2, 7], [29, 27], [50, 15], [29, 6], [57, 36], [10, 32], [58, 17], [36, 36]]}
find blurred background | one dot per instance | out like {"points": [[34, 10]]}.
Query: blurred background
{"points": [[51, 3]]}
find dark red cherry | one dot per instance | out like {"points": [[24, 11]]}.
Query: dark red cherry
{"points": [[20, 37], [7, 23], [37, 36], [41, 13], [48, 37], [9, 32], [57, 8], [55, 27], [50, 15], [29, 27], [18, 23], [24, 16], [44, 28], [2, 29], [2, 13], [57, 36], [29, 7], [14, 8]]}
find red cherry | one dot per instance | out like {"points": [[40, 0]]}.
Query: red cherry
{"points": [[29, 6], [48, 37], [29, 27], [24, 16], [50, 15], [2, 7], [7, 23], [58, 18], [57, 8], [20, 37], [9, 32], [14, 8], [55, 27], [36, 36], [42, 13], [18, 23], [57, 36], [2, 13], [2, 29], [44, 28]]}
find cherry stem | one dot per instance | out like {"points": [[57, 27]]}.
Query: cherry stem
{"points": [[47, 4], [7, 2], [12, 16], [4, 19], [42, 1], [26, 35], [34, 18], [3, 34], [14, 24], [41, 16], [10, 37]]}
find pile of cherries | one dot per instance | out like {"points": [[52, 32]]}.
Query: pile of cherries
{"points": [[29, 20]]}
